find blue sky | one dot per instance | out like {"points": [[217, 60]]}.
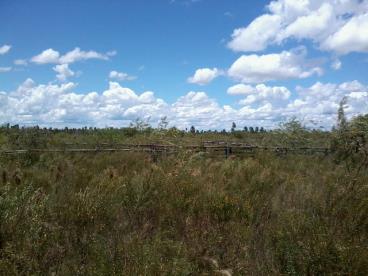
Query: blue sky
{"points": [[278, 64]]}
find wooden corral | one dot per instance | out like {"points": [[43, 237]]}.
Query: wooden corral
{"points": [[211, 147]]}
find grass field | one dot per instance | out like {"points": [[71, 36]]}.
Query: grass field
{"points": [[184, 214]]}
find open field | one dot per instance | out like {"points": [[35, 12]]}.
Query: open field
{"points": [[184, 137], [188, 213]]}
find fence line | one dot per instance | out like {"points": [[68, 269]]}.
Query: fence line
{"points": [[225, 148]]}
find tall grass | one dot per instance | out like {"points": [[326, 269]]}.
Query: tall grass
{"points": [[122, 214]]}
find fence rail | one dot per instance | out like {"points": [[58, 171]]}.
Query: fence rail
{"points": [[224, 148]]}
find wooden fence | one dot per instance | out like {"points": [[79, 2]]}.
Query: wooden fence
{"points": [[218, 148]]}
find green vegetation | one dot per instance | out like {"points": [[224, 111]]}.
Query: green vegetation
{"points": [[186, 214]]}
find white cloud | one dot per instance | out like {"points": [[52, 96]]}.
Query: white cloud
{"points": [[336, 64], [57, 105], [267, 95], [260, 94], [119, 103], [204, 76], [5, 69], [63, 72], [20, 62], [318, 103], [313, 24], [51, 104], [5, 49], [261, 68], [334, 25], [117, 94], [77, 55], [52, 56], [47, 56], [121, 76], [240, 89], [352, 37], [267, 106], [257, 35], [196, 108]]}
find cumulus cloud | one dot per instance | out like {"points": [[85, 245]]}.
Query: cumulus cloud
{"points": [[315, 106], [196, 108], [261, 68], [120, 103], [5, 49], [51, 104], [266, 106], [63, 72], [257, 35], [318, 104], [260, 94], [204, 76], [240, 89], [121, 76], [47, 56], [352, 37], [334, 25], [58, 105], [52, 56]]}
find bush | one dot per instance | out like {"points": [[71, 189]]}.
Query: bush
{"points": [[265, 215]]}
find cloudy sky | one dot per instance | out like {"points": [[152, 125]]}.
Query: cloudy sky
{"points": [[205, 63]]}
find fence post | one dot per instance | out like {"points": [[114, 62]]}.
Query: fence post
{"points": [[227, 151], [154, 154]]}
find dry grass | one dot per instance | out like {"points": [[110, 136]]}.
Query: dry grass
{"points": [[122, 214]]}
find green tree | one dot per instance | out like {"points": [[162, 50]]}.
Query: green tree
{"points": [[140, 124], [294, 133], [341, 118], [192, 130], [162, 125], [233, 127], [350, 143]]}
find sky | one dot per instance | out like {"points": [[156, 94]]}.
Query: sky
{"points": [[206, 63]]}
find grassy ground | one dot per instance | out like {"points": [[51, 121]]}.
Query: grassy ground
{"points": [[15, 138], [122, 214]]}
